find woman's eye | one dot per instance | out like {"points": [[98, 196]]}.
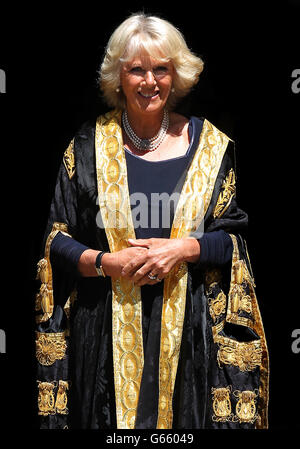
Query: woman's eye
{"points": [[136, 70], [160, 69]]}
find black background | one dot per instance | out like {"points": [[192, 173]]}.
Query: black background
{"points": [[51, 55]]}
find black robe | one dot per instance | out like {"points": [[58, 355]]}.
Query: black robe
{"points": [[209, 389]]}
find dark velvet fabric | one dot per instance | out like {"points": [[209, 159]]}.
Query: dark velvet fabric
{"points": [[89, 362]]}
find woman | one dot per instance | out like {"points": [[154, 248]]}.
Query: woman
{"points": [[147, 315]]}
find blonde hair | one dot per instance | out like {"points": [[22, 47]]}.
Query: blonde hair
{"points": [[159, 39]]}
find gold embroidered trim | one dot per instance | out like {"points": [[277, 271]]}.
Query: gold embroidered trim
{"points": [[245, 408], [44, 298], [217, 305], [238, 298], [46, 400], [226, 195], [217, 328], [222, 404], [50, 347], [240, 276], [246, 356], [69, 160], [47, 405], [115, 211], [62, 398]]}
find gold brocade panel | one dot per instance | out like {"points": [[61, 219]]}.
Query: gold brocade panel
{"points": [[44, 298], [115, 210]]}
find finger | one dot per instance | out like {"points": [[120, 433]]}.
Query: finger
{"points": [[149, 278], [134, 263], [145, 281], [130, 269], [140, 274], [139, 242]]}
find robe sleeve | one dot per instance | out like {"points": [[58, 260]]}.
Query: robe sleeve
{"points": [[56, 292], [216, 248]]}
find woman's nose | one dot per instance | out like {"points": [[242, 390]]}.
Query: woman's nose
{"points": [[150, 78]]}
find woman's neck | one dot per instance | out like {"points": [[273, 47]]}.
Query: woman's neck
{"points": [[145, 125]]}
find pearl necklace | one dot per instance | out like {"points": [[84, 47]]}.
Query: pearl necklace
{"points": [[146, 144]]}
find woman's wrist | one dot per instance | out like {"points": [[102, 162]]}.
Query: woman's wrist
{"points": [[106, 263], [86, 264], [191, 250]]}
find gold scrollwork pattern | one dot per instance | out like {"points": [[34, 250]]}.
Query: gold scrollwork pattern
{"points": [[46, 399], [222, 404], [50, 347], [246, 356], [217, 329], [69, 160], [115, 211], [47, 403], [245, 410], [226, 195], [217, 299], [62, 398], [217, 306], [241, 293], [44, 298]]}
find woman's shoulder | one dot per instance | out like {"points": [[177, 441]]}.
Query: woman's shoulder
{"points": [[86, 130]]}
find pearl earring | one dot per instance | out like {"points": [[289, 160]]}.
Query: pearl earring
{"points": [[172, 90], [117, 90]]}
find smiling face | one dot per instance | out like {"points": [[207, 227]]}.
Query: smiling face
{"points": [[146, 83]]}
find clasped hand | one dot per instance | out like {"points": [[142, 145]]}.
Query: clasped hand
{"points": [[155, 257], [160, 257]]}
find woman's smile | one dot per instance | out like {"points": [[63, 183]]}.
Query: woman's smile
{"points": [[149, 96]]}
